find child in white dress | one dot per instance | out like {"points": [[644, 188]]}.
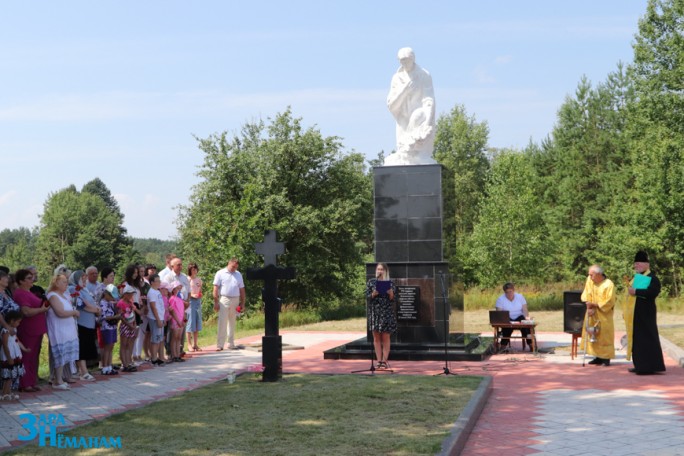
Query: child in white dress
{"points": [[11, 367]]}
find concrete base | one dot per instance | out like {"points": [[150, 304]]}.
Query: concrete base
{"points": [[456, 350]]}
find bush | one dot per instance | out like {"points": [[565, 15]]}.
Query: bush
{"points": [[337, 310], [544, 297]]}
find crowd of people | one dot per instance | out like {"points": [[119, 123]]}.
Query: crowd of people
{"points": [[84, 313]]}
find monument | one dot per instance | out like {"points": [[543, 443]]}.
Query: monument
{"points": [[272, 341], [411, 100], [408, 230]]}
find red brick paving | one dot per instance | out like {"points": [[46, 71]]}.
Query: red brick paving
{"points": [[518, 378]]}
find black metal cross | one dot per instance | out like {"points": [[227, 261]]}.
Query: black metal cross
{"points": [[272, 344]]}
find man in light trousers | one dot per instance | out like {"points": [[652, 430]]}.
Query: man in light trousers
{"points": [[229, 293]]}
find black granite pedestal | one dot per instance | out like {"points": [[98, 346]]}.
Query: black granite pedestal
{"points": [[408, 238]]}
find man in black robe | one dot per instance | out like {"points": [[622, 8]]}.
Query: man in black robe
{"points": [[647, 354]]}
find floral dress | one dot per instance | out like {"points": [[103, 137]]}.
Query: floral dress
{"points": [[381, 314], [15, 372], [107, 310], [128, 316], [7, 304]]}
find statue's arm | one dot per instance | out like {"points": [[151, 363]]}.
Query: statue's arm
{"points": [[397, 93], [429, 98]]}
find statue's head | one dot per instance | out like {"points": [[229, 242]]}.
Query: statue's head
{"points": [[407, 58]]}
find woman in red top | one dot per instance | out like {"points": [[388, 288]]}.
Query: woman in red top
{"points": [[31, 328]]}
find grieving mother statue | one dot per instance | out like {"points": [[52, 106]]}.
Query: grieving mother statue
{"points": [[411, 101]]}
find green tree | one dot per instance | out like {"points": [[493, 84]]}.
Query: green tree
{"points": [[154, 250], [77, 229], [460, 146], [122, 242], [17, 247], [656, 130], [581, 167], [509, 241], [284, 177]]}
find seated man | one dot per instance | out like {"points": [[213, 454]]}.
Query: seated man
{"points": [[516, 306]]}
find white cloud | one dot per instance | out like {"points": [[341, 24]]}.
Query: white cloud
{"points": [[547, 28], [7, 197], [108, 106], [150, 200], [123, 199], [20, 213], [482, 76], [503, 59]]}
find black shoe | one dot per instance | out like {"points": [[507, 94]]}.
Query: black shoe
{"points": [[606, 362], [596, 361]]}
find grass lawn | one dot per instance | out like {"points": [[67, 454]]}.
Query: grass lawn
{"points": [[302, 415], [674, 335], [552, 321]]}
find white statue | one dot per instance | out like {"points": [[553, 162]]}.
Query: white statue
{"points": [[411, 101]]}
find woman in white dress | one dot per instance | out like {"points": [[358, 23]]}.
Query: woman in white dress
{"points": [[62, 330]]}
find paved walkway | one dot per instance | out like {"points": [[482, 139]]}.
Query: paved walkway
{"points": [[540, 404], [552, 405]]}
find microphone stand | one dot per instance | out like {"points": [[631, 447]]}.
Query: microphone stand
{"points": [[445, 370]]}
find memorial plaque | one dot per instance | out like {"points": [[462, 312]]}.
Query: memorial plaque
{"points": [[408, 300]]}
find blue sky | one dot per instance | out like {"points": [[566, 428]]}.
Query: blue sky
{"points": [[119, 90]]}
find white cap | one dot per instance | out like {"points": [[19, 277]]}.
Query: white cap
{"points": [[128, 289]]}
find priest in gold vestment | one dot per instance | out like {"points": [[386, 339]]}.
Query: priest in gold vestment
{"points": [[599, 294]]}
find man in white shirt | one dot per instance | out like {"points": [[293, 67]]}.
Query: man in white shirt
{"points": [[176, 273], [94, 287], [169, 257], [229, 292], [516, 305]]}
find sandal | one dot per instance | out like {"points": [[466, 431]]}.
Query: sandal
{"points": [[15, 396], [6, 397], [196, 348], [87, 377]]}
